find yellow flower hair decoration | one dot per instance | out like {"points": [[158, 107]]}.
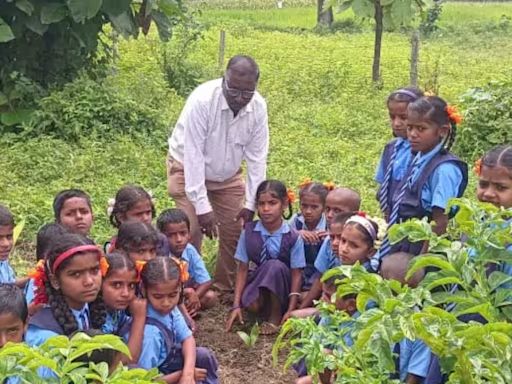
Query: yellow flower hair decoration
{"points": [[329, 185], [305, 182], [429, 93], [183, 267], [291, 196], [104, 266], [453, 114], [477, 167]]}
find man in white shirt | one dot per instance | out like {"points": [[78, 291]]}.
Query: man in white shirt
{"points": [[223, 123]]}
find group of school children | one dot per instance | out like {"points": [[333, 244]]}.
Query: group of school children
{"points": [[149, 284]]}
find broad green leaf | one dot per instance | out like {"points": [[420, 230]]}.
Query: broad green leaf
{"points": [[26, 6], [169, 7], [124, 23], [245, 338], [5, 32], [402, 12], [255, 332], [443, 281], [485, 309], [497, 279], [344, 6], [115, 7], [163, 25], [17, 231], [386, 2], [82, 10], [15, 117], [53, 13], [363, 8], [34, 24], [3, 98]]}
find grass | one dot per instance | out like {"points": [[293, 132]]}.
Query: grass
{"points": [[327, 120]]}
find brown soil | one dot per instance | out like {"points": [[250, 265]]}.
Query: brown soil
{"points": [[239, 364]]}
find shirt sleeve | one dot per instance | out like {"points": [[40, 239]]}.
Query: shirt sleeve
{"points": [[255, 155], [194, 119], [322, 260], [36, 336], [379, 175], [241, 251], [153, 350], [180, 326], [297, 257], [197, 267], [419, 360], [443, 184]]}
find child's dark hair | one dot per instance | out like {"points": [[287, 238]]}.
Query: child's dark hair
{"points": [[117, 261], [159, 270], [342, 217], [172, 216], [500, 155], [6, 217], [316, 188], [126, 198], [65, 195], [405, 95], [12, 301], [434, 109], [368, 238], [278, 190], [134, 233], [56, 300], [45, 238]]}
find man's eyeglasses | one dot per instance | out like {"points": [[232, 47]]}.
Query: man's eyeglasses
{"points": [[236, 92]]}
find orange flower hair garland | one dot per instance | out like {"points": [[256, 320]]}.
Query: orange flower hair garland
{"points": [[38, 274], [183, 267], [104, 266], [477, 167], [291, 196], [305, 182], [329, 185], [139, 266], [453, 114]]}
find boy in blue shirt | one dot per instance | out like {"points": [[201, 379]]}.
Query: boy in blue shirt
{"points": [[175, 225]]}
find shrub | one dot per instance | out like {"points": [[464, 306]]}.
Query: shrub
{"points": [[88, 108], [488, 119]]}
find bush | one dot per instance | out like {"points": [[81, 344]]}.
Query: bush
{"points": [[488, 119], [95, 109]]}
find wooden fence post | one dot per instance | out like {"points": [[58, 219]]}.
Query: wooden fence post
{"points": [[222, 48], [415, 52]]}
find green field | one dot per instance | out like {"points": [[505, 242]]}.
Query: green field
{"points": [[327, 120]]}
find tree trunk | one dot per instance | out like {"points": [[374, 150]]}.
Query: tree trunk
{"points": [[324, 18], [378, 41]]}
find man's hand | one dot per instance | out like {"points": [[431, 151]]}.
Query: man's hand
{"points": [[246, 215], [208, 225]]}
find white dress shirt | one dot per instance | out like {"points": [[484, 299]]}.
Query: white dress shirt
{"points": [[211, 143]]}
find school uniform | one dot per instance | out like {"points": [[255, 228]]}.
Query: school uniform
{"points": [[115, 321], [273, 255], [162, 245], [395, 159], [196, 267], [161, 346], [310, 250], [413, 358], [30, 291], [7, 275], [326, 258]]}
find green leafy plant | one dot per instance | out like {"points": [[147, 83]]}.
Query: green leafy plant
{"points": [[251, 338], [67, 359]]}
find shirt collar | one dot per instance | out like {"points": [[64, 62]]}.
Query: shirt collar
{"points": [[285, 228], [425, 157], [78, 313], [322, 223], [153, 313]]}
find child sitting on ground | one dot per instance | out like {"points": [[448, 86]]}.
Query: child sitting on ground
{"points": [[73, 210], [7, 274], [175, 225]]}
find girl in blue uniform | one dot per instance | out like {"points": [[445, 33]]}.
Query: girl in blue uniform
{"points": [[7, 274], [397, 155], [277, 251], [73, 210], [434, 176], [168, 342], [137, 239], [311, 224], [120, 280]]}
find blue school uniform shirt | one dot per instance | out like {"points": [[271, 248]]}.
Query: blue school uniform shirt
{"points": [[325, 321], [154, 351], [273, 243], [321, 226], [196, 267], [402, 161], [7, 274], [30, 291], [114, 320], [326, 259], [36, 336], [414, 358], [442, 185]]}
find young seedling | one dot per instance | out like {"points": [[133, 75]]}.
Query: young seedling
{"points": [[251, 338]]}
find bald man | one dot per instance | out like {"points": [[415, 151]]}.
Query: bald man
{"points": [[224, 123]]}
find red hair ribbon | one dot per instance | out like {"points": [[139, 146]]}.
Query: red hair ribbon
{"points": [[183, 267], [305, 182], [477, 167], [453, 114], [361, 213], [291, 196], [38, 274], [329, 185], [73, 251]]}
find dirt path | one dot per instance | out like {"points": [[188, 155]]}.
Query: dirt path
{"points": [[238, 363]]}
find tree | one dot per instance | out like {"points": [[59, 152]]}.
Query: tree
{"points": [[387, 14], [324, 16], [47, 42]]}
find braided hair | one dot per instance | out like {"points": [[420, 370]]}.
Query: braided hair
{"points": [[56, 300], [126, 198], [158, 270], [434, 109]]}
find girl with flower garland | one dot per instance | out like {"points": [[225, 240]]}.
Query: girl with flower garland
{"points": [[134, 203], [277, 251], [435, 175]]}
